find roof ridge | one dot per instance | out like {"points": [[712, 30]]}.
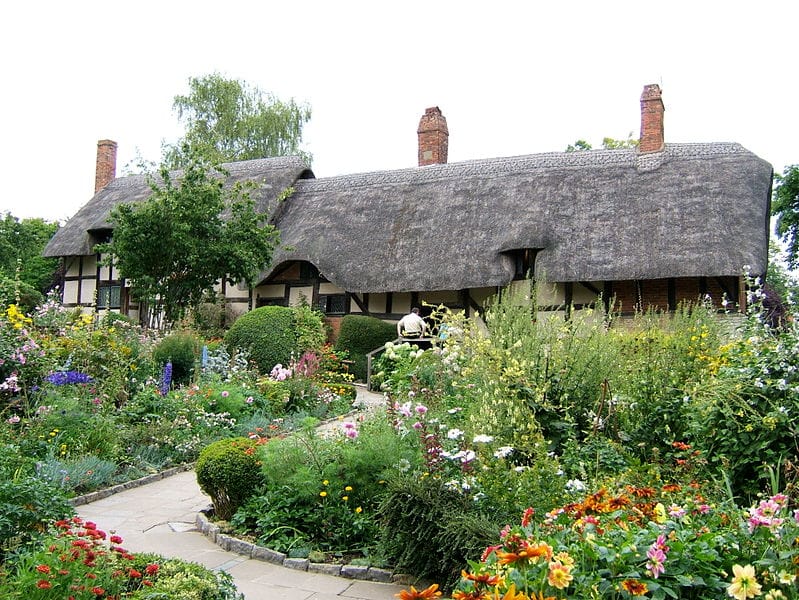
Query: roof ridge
{"points": [[499, 166]]}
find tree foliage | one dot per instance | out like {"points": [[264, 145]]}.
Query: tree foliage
{"points": [[191, 233], [21, 246], [785, 206], [228, 120], [608, 143]]}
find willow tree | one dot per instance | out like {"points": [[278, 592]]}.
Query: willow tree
{"points": [[228, 120]]}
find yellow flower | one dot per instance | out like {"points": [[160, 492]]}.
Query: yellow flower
{"points": [[345, 498], [359, 510], [323, 493], [744, 584], [559, 575], [348, 488], [325, 482]]}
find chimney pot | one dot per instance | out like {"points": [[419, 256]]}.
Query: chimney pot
{"points": [[433, 137], [106, 169], [652, 110]]}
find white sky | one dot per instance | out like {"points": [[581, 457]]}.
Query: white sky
{"points": [[510, 77]]}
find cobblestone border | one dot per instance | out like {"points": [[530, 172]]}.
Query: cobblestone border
{"points": [[133, 483], [250, 550]]}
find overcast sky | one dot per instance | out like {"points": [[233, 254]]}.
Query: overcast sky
{"points": [[511, 78]]}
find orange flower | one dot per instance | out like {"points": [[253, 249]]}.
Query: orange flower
{"points": [[634, 587], [510, 594], [645, 492], [413, 594], [671, 487], [618, 502], [531, 553], [471, 595], [484, 578]]}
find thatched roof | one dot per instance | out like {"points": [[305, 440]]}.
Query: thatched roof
{"points": [[690, 210], [80, 234]]}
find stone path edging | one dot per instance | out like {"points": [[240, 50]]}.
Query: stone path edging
{"points": [[256, 552], [133, 483]]}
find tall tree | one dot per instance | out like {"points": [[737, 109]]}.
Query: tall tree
{"points": [[21, 245], [785, 206], [227, 120], [190, 234]]}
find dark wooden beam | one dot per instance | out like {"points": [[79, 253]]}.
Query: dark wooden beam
{"points": [[364, 306], [591, 287], [671, 293]]}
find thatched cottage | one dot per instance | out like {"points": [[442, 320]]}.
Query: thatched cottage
{"points": [[648, 226]]}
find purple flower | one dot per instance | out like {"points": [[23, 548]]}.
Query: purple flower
{"points": [[68, 377], [166, 379]]}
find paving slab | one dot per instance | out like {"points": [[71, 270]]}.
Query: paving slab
{"points": [[160, 517]]}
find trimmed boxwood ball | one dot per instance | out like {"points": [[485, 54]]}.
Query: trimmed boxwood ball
{"points": [[229, 471], [267, 334], [359, 335]]}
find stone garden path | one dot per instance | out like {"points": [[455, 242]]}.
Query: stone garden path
{"points": [[164, 517]]}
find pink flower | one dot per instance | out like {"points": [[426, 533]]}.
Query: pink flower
{"points": [[225, 394], [249, 400], [13, 419], [417, 425], [421, 409], [656, 559]]}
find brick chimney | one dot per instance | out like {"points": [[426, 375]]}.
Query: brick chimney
{"points": [[433, 137], [106, 169], [651, 119]]}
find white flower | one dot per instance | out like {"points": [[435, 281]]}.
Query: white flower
{"points": [[503, 451], [575, 485], [454, 434], [483, 439]]}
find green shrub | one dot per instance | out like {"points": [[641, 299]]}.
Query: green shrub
{"points": [[430, 530], [25, 296], [182, 350], [27, 504], [360, 335], [267, 334], [181, 580], [310, 328], [229, 472]]}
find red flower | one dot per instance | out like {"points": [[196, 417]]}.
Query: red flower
{"points": [[89, 525], [133, 573], [43, 569], [43, 584], [527, 516], [151, 569], [98, 591], [115, 539]]}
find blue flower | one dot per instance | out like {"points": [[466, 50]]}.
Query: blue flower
{"points": [[166, 379], [68, 377]]}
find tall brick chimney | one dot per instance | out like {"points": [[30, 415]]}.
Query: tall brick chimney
{"points": [[433, 137], [651, 119], [106, 169]]}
